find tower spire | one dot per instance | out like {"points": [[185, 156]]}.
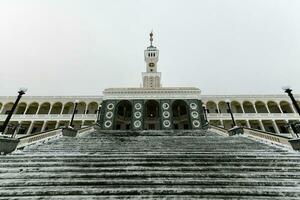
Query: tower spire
{"points": [[151, 38]]}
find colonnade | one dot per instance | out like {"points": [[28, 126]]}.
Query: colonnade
{"points": [[46, 108], [259, 109], [282, 106]]}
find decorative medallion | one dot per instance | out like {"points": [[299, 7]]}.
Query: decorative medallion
{"points": [[137, 123], [138, 106], [109, 115], [193, 106], [137, 114], [196, 123], [166, 106], [167, 123], [110, 106], [166, 114], [107, 123], [194, 114]]}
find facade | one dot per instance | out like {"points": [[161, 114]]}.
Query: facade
{"points": [[151, 106], [264, 112]]}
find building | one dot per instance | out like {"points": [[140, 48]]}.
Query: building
{"points": [[271, 113]]}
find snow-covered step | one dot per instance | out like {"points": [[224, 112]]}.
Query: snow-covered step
{"points": [[155, 166]]}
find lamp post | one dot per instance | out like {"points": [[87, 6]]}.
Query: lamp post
{"points": [[288, 90], [21, 92], [99, 110], [229, 109], [74, 111]]}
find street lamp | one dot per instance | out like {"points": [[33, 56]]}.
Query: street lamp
{"points": [[288, 90], [74, 111], [99, 110], [21, 92], [229, 109]]}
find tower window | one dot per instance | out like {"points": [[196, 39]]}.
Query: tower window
{"points": [[154, 54], [148, 54]]}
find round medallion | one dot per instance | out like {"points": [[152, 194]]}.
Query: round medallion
{"points": [[110, 106], [107, 123], [109, 115], [137, 114], [167, 123], [193, 106], [137, 123], [165, 106], [196, 123], [194, 114], [138, 106], [166, 114]]}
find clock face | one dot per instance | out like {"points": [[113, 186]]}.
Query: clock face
{"points": [[151, 64]]}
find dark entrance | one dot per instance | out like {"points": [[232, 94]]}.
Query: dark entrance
{"points": [[181, 118], [152, 115], [123, 115]]}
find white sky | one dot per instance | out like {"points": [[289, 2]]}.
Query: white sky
{"points": [[73, 47]]}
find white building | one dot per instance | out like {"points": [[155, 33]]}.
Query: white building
{"points": [[39, 113]]}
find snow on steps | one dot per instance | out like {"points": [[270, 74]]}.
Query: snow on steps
{"points": [[99, 165]]}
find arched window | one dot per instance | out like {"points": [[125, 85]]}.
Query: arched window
{"points": [[223, 107], [248, 107], [236, 107], [285, 107], [92, 108], [273, 107], [211, 107], [68, 108], [20, 109], [44, 108], [81, 107], [56, 108], [32, 108], [261, 107], [7, 108]]}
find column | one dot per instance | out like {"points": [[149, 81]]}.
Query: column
{"points": [[261, 125], [44, 126], [275, 126], [248, 124], [30, 128]]}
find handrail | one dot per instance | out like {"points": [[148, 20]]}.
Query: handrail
{"points": [[85, 129], [34, 138], [267, 136], [219, 130]]}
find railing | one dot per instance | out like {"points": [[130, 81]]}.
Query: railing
{"points": [[51, 116], [38, 137], [254, 115], [86, 129], [218, 130], [267, 136]]}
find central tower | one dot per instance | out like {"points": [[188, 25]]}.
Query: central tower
{"points": [[151, 78]]}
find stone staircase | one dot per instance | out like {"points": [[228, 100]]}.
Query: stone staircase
{"points": [[161, 166]]}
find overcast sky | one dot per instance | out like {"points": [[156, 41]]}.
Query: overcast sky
{"points": [[73, 47]]}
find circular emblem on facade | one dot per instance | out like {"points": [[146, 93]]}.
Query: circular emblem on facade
{"points": [[166, 114], [165, 106], [107, 123], [137, 114], [109, 115], [193, 106], [167, 123], [138, 106], [137, 123], [194, 114], [196, 123], [110, 106]]}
